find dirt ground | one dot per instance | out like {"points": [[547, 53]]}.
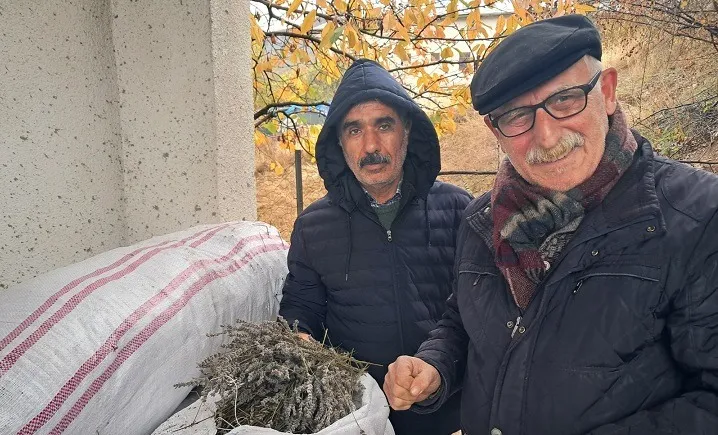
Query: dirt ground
{"points": [[470, 148]]}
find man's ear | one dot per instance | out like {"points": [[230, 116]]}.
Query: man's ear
{"points": [[609, 82]]}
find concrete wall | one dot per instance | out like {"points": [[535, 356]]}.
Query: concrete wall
{"points": [[60, 165], [121, 120]]}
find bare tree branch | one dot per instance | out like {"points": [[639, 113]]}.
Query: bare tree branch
{"points": [[264, 110]]}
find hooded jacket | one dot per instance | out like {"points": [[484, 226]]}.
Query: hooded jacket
{"points": [[621, 336], [372, 291]]}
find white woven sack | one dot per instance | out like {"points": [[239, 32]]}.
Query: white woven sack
{"points": [[96, 347], [372, 418]]}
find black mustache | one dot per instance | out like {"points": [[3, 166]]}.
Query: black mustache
{"points": [[373, 159]]}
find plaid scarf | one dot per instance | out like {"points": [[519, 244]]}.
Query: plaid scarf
{"points": [[526, 215]]}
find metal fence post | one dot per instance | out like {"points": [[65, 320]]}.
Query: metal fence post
{"points": [[298, 180]]}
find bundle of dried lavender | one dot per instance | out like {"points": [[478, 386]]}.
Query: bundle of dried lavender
{"points": [[267, 376]]}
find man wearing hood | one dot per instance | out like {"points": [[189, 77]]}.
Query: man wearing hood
{"points": [[370, 263]]}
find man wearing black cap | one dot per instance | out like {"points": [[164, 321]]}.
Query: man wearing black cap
{"points": [[586, 282], [370, 263]]}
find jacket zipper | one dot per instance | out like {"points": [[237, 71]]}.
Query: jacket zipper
{"points": [[389, 238], [516, 326]]}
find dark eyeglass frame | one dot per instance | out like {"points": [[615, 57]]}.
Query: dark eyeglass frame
{"points": [[587, 88]]}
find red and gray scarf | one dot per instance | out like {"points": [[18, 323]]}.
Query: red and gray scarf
{"points": [[525, 215]]}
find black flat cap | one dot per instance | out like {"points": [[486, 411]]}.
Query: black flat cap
{"points": [[531, 56]]}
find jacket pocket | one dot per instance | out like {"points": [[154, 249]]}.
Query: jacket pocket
{"points": [[484, 305], [637, 271], [472, 278], [611, 313], [640, 284]]}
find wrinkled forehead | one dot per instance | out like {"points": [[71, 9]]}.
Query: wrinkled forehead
{"points": [[375, 105]]}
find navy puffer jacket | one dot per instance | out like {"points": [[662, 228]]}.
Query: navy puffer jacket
{"points": [[622, 335], [376, 292]]}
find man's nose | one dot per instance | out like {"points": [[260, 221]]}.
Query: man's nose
{"points": [[545, 129], [370, 142]]}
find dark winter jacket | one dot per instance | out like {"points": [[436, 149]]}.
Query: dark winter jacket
{"points": [[622, 335], [373, 291]]}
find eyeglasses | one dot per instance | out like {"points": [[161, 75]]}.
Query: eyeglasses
{"points": [[562, 104]]}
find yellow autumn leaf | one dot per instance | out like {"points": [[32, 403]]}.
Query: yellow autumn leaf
{"points": [[326, 36], [512, 24], [352, 36], [255, 31], [448, 20], [447, 53], [500, 25], [518, 10], [303, 56], [389, 22], [308, 22], [409, 17], [447, 124], [420, 18], [403, 33], [374, 13], [293, 7], [584, 9], [420, 81], [461, 110], [473, 20], [260, 138], [400, 51], [278, 169], [322, 4]]}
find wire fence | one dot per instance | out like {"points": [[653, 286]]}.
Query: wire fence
{"points": [[707, 165]]}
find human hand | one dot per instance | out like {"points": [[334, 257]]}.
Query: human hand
{"points": [[304, 336], [410, 380]]}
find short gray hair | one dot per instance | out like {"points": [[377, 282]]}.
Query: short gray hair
{"points": [[594, 65]]}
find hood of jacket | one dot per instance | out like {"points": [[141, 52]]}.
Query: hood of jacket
{"points": [[367, 80]]}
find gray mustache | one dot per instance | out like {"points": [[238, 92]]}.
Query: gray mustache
{"points": [[564, 146], [373, 159]]}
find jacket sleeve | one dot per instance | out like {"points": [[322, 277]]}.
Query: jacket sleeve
{"points": [[447, 346], [693, 332], [304, 295]]}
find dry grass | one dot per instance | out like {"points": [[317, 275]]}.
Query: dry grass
{"points": [[276, 194], [471, 148], [267, 376], [658, 71]]}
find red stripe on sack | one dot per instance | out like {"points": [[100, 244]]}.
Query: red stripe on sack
{"points": [[147, 332], [111, 343], [48, 303], [11, 358]]}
